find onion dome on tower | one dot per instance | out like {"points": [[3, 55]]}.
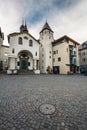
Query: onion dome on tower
{"points": [[23, 28]]}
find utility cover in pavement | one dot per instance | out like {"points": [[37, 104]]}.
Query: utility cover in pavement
{"points": [[47, 109]]}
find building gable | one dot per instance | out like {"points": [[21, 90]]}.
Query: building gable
{"points": [[64, 39]]}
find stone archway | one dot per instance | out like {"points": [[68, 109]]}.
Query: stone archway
{"points": [[24, 59]]}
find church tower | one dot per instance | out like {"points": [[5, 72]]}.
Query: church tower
{"points": [[46, 38]]}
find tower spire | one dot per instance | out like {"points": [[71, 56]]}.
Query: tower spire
{"points": [[46, 19], [25, 23], [22, 21], [46, 26], [23, 27]]}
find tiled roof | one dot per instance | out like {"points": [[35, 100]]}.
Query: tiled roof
{"points": [[65, 37]]}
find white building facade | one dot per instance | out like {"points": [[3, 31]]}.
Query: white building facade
{"points": [[23, 52], [46, 38]]}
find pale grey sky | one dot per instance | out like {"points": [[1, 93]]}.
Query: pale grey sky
{"points": [[65, 17]]}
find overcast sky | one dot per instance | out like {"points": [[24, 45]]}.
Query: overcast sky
{"points": [[65, 17]]}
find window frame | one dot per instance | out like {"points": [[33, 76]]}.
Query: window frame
{"points": [[30, 43], [20, 41]]}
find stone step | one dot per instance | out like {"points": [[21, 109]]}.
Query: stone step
{"points": [[3, 72], [25, 72]]}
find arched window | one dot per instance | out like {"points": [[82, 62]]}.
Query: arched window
{"points": [[30, 43], [13, 51], [20, 41], [36, 53]]}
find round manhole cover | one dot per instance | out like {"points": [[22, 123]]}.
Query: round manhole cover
{"points": [[47, 109]]}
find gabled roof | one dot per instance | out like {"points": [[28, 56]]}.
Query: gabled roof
{"points": [[16, 33], [46, 26], [83, 46], [65, 37], [84, 43]]}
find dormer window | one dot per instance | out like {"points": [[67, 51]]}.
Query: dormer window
{"points": [[84, 45], [20, 41], [30, 43]]}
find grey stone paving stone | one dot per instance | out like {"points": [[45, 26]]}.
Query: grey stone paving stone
{"points": [[21, 97]]}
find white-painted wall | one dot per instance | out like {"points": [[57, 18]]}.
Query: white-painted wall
{"points": [[25, 46], [46, 38]]}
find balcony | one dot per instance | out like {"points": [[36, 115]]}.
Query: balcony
{"points": [[72, 63], [73, 54]]}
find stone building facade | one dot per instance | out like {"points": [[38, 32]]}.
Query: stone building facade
{"points": [[44, 55], [83, 57], [3, 53], [65, 55]]}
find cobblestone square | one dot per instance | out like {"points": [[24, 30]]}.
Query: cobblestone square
{"points": [[61, 98]]}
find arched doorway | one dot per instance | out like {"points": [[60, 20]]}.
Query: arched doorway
{"points": [[24, 59], [24, 64]]}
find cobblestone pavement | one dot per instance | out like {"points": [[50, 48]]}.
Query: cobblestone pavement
{"points": [[22, 95]]}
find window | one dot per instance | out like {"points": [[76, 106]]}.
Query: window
{"points": [[74, 52], [59, 58], [50, 52], [53, 59], [20, 41], [84, 45], [13, 51], [83, 59], [36, 53], [42, 55], [56, 51], [83, 54], [30, 43], [49, 57], [28, 63], [18, 63]]}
